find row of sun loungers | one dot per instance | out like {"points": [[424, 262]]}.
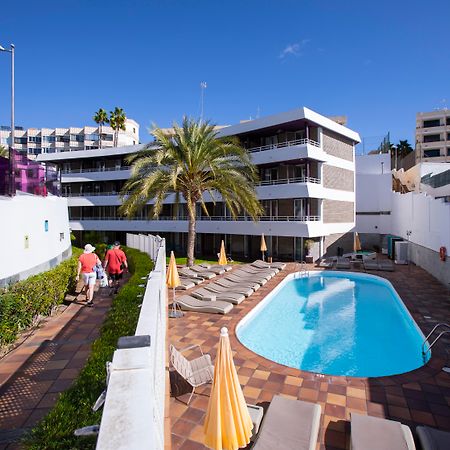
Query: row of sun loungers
{"points": [[231, 289], [384, 264]]}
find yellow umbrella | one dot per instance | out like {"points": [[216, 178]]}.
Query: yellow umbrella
{"points": [[172, 281], [228, 424], [263, 247], [357, 242], [222, 255]]}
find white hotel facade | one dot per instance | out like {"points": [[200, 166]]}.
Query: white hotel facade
{"points": [[307, 187]]}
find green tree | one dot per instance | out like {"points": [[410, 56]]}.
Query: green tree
{"points": [[117, 119], [101, 117], [190, 162], [403, 148]]}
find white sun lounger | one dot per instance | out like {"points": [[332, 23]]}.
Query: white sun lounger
{"points": [[240, 285], [276, 265], [185, 284], [205, 295], [226, 267], [234, 287], [200, 269], [245, 276], [267, 273], [196, 281], [374, 433], [188, 303], [289, 424], [192, 274], [343, 263]]}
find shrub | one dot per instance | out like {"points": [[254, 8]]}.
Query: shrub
{"points": [[74, 407], [36, 295]]}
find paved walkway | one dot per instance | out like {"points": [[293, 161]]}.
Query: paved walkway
{"points": [[418, 397], [46, 364]]}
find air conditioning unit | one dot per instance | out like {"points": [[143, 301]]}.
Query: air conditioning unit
{"points": [[401, 252]]}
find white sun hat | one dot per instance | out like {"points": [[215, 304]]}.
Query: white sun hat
{"points": [[88, 248]]}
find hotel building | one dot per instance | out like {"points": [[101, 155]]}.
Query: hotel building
{"points": [[433, 136], [35, 141], [306, 163]]}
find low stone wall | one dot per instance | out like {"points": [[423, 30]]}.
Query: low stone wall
{"points": [[430, 261]]}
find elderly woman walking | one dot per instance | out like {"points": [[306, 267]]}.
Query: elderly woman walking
{"points": [[87, 263]]}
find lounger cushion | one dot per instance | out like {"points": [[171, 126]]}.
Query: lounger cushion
{"points": [[373, 433], [432, 439], [289, 424]]}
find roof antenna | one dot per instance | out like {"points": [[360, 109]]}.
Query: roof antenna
{"points": [[203, 86], [258, 110]]}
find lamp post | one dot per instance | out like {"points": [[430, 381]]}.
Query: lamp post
{"points": [[11, 147]]}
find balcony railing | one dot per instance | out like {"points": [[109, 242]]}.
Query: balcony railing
{"points": [[284, 144], [261, 183], [95, 169], [213, 218], [289, 181]]}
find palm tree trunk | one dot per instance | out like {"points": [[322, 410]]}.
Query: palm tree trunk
{"points": [[100, 136], [191, 235]]}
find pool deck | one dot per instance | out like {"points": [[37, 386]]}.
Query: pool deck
{"points": [[420, 397]]}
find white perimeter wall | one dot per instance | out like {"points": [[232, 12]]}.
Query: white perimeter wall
{"points": [[25, 215], [426, 217]]}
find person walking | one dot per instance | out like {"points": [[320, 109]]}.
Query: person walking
{"points": [[115, 263], [87, 263]]}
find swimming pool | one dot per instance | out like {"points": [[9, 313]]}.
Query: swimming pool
{"points": [[333, 323]]}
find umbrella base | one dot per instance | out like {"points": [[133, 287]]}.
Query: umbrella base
{"points": [[175, 312]]}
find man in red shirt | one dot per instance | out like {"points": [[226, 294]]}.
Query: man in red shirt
{"points": [[115, 263]]}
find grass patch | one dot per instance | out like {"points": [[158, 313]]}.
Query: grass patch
{"points": [[36, 296], [74, 407]]}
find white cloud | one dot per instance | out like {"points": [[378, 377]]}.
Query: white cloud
{"points": [[294, 49]]}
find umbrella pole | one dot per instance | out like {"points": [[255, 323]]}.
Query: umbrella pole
{"points": [[262, 256], [176, 312]]}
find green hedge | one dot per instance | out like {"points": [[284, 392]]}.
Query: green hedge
{"points": [[74, 407], [37, 294]]}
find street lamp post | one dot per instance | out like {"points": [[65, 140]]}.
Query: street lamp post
{"points": [[11, 147]]}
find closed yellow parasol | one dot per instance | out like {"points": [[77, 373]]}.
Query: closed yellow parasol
{"points": [[263, 246], [228, 424], [172, 281], [357, 242], [222, 255]]}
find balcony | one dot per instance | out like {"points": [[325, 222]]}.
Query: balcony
{"points": [[95, 169], [284, 144], [210, 218], [289, 181]]}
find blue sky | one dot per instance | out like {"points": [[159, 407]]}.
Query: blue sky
{"points": [[376, 62]]}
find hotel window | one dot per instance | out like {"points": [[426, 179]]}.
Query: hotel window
{"points": [[79, 137], [432, 138], [48, 138], [63, 139], [34, 139], [20, 140], [448, 120], [91, 137], [431, 123], [448, 151], [432, 153]]}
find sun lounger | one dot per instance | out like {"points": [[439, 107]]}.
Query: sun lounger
{"points": [[370, 264], [185, 284], [227, 286], [217, 270], [188, 303], [245, 276], [289, 424], [326, 264], [196, 281], [263, 264], [373, 433], [234, 281], [343, 263], [205, 295], [226, 267], [386, 265], [432, 439], [192, 274], [267, 273]]}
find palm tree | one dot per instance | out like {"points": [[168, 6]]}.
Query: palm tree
{"points": [[4, 152], [117, 119], [190, 162], [404, 148], [101, 117]]}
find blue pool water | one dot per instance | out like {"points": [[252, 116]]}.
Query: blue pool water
{"points": [[335, 324]]}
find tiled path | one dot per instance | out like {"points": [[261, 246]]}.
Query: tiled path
{"points": [[418, 397], [34, 374]]}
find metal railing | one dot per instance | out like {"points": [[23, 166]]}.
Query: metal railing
{"points": [[284, 144], [444, 329], [289, 181], [211, 218], [133, 415], [95, 169]]}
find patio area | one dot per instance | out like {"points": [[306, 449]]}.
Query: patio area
{"points": [[420, 397]]}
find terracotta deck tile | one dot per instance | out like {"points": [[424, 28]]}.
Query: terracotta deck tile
{"points": [[418, 397]]}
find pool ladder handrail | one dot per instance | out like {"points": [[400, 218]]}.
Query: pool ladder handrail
{"points": [[303, 272], [447, 330]]}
